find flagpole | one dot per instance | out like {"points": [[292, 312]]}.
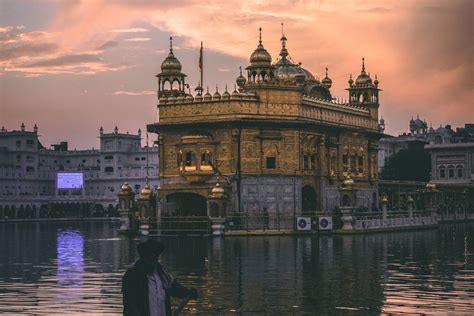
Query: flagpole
{"points": [[201, 67]]}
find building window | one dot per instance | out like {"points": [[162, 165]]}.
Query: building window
{"points": [[190, 161], [306, 162], [271, 163], [109, 157], [30, 143], [109, 169], [345, 162], [206, 160], [353, 163], [143, 158], [179, 159], [137, 158], [442, 172], [459, 171], [360, 164], [313, 162], [450, 172], [18, 143]]}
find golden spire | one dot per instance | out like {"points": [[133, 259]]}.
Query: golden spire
{"points": [[171, 44], [260, 36]]}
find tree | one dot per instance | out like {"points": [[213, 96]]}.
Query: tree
{"points": [[408, 165]]}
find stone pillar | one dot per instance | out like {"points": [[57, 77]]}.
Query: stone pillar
{"points": [[410, 203], [384, 206], [218, 200], [145, 209], [431, 199], [126, 198], [347, 202]]}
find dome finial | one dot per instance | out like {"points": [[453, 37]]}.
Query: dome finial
{"points": [[240, 69], [260, 36], [326, 71], [171, 44], [283, 37], [363, 64]]}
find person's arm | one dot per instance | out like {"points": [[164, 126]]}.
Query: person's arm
{"points": [[178, 290], [130, 304]]}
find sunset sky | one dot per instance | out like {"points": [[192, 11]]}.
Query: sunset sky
{"points": [[72, 66]]}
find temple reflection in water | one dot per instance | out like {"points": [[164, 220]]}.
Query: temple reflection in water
{"points": [[279, 143]]}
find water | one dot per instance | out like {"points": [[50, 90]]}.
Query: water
{"points": [[77, 268]]}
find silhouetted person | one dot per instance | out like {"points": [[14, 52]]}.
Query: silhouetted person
{"points": [[147, 285]]}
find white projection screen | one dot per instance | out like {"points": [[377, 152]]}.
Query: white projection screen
{"points": [[69, 180]]}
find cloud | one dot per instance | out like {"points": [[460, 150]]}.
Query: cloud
{"points": [[7, 29], [223, 69], [130, 30], [27, 50], [133, 93], [107, 45], [138, 39]]}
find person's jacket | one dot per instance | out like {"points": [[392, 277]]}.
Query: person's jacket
{"points": [[135, 290]]}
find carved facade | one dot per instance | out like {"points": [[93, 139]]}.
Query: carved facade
{"points": [[280, 143]]}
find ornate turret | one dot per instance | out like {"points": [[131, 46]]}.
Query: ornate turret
{"points": [[260, 68], [240, 79], [326, 82], [364, 92], [171, 81], [382, 125]]}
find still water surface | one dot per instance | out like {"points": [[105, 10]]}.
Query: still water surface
{"points": [[77, 268]]}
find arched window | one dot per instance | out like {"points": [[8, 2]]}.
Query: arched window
{"points": [[179, 159], [352, 163], [206, 160], [345, 162], [459, 172], [450, 171], [360, 164], [190, 161], [313, 162], [442, 172], [306, 161]]}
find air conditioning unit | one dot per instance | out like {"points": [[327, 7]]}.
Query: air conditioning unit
{"points": [[303, 223], [325, 222]]}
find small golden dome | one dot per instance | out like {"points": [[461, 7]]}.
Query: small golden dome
{"points": [[146, 191], [240, 79], [207, 96], [326, 82], [217, 95], [226, 94], [384, 199], [171, 64], [126, 187], [189, 98], [431, 186], [260, 55]]}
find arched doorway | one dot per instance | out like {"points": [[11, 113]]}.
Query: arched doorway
{"points": [[186, 204], [309, 199]]}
